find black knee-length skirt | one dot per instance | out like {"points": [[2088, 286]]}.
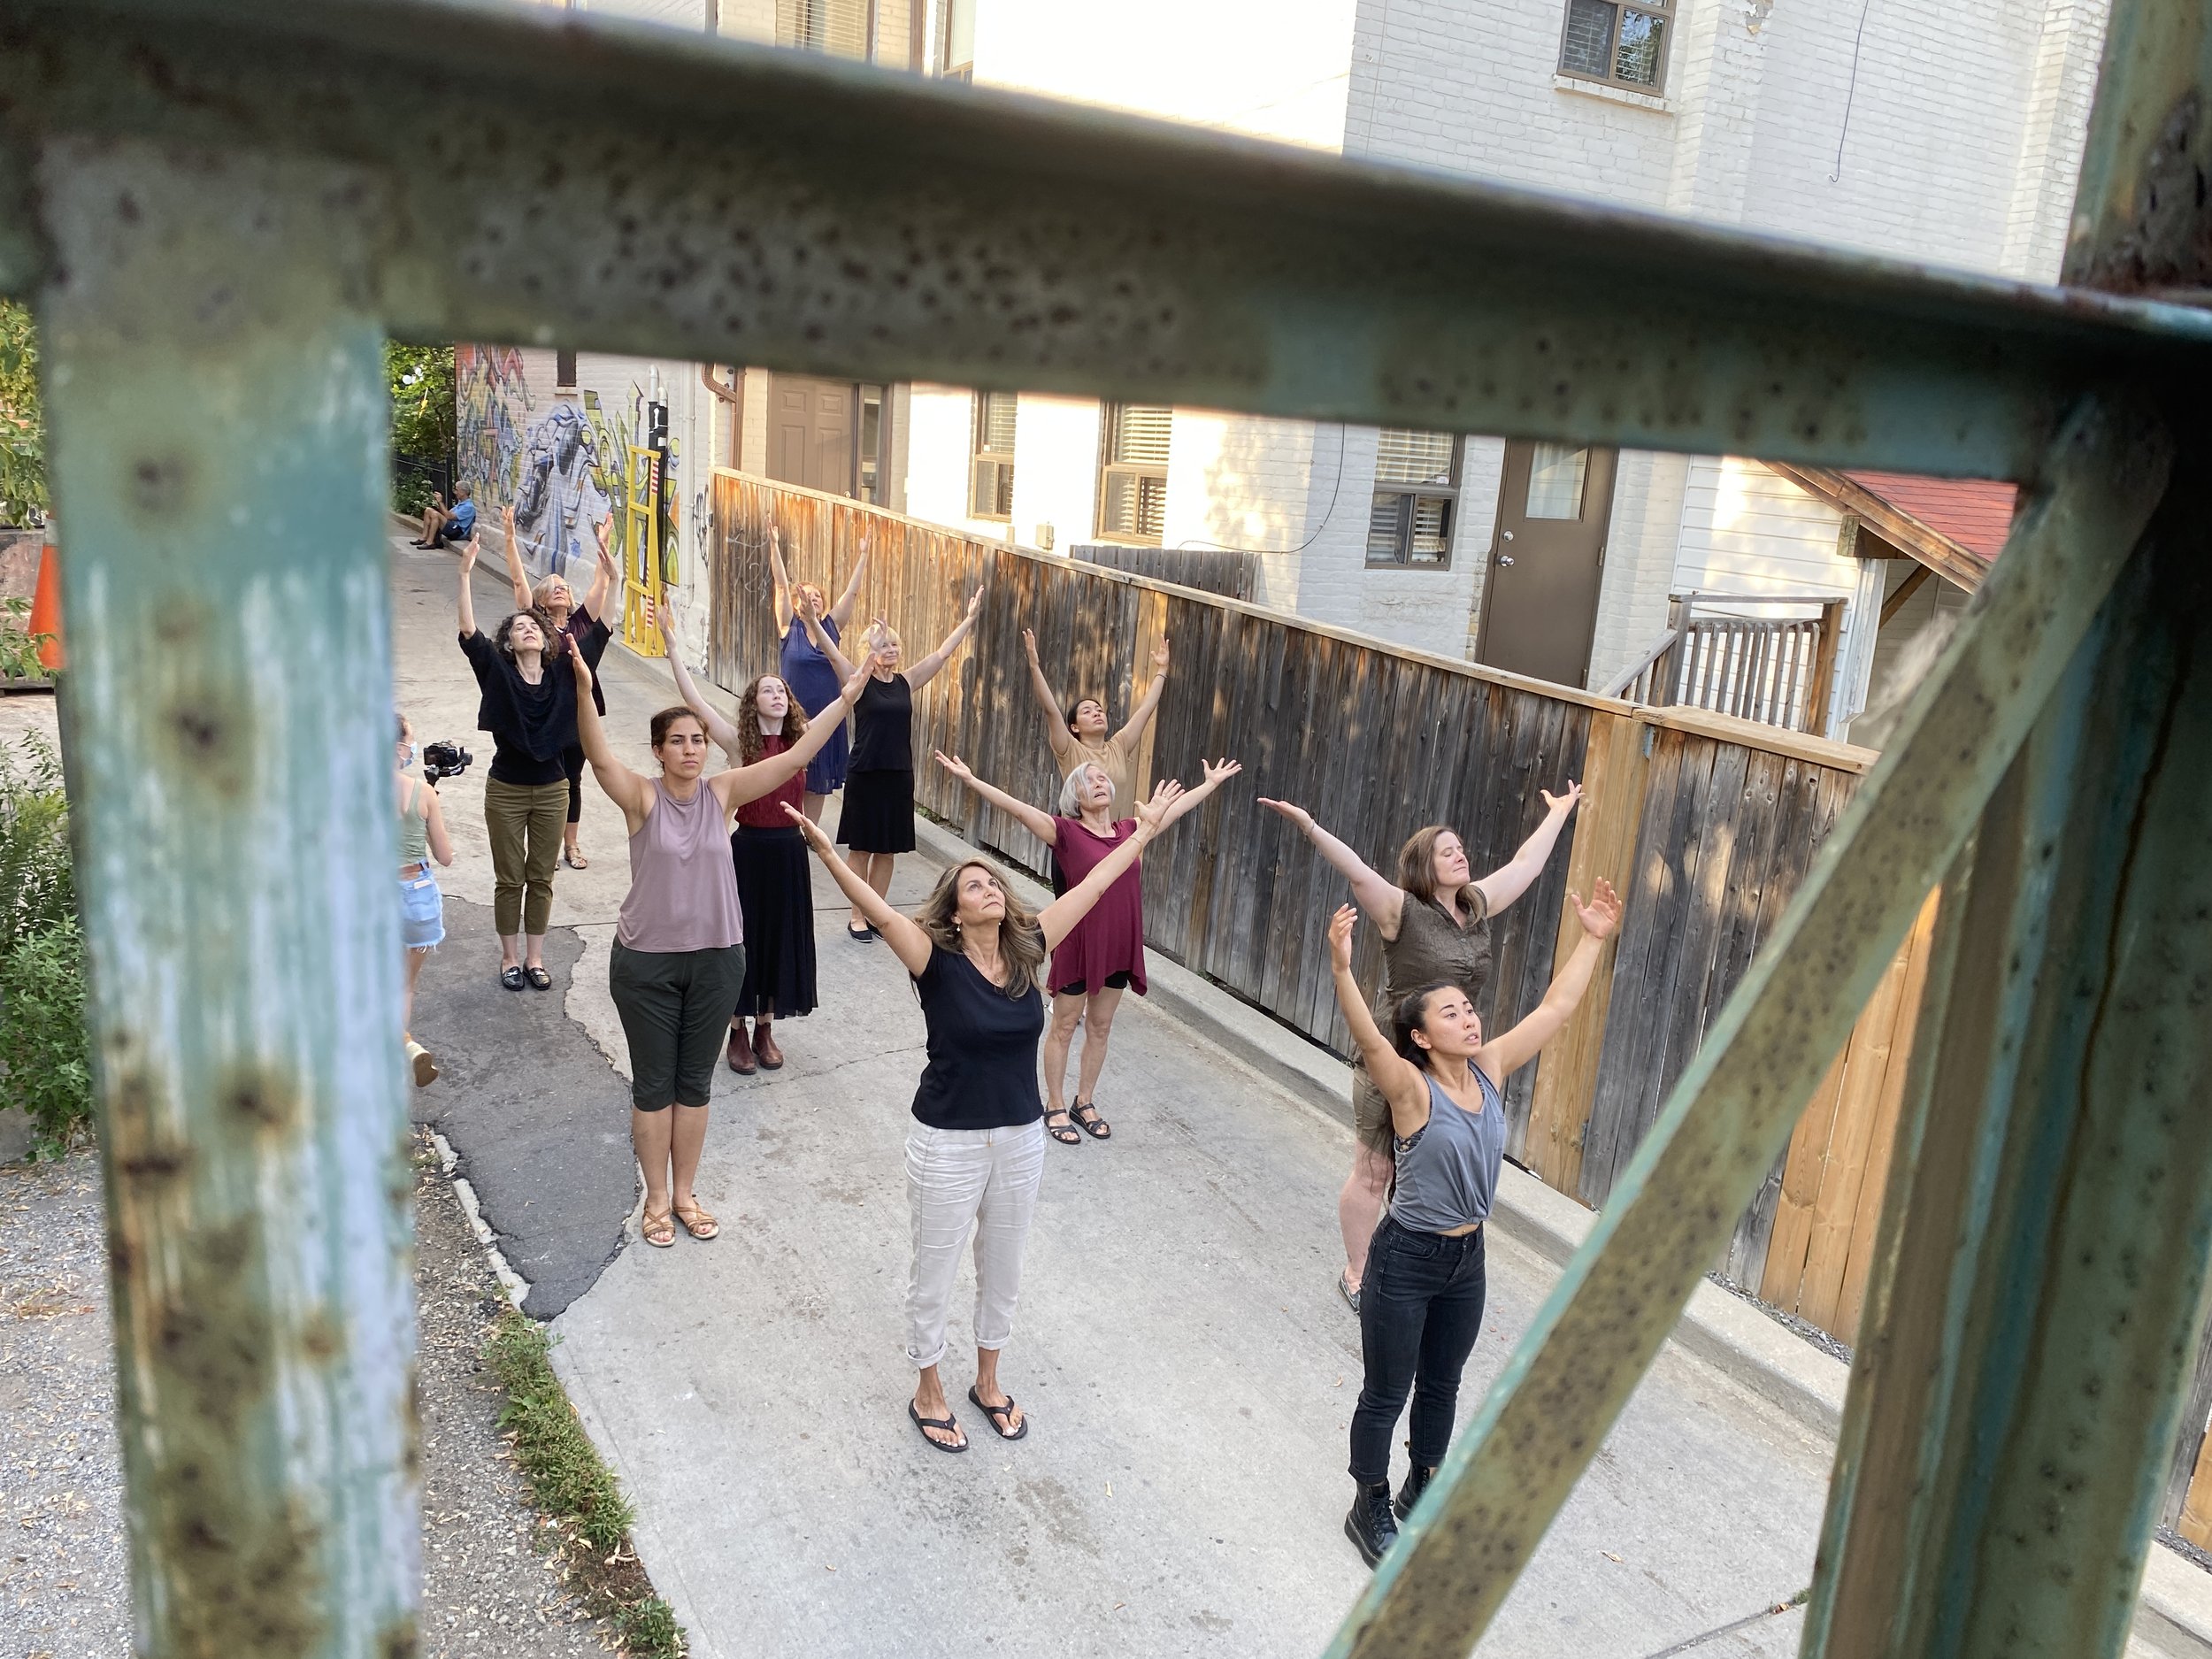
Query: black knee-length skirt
{"points": [[775, 892], [878, 816]]}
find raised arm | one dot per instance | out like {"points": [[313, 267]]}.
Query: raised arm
{"points": [[841, 612], [1056, 717], [721, 730], [434, 826], [1501, 1056], [518, 574], [1149, 703], [602, 579], [742, 784], [1399, 1079], [1217, 772], [1038, 824], [1059, 918], [1508, 882], [1382, 900], [783, 596], [925, 670], [908, 941], [468, 600], [626, 788], [820, 636]]}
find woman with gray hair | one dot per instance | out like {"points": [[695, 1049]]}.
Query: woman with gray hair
{"points": [[1103, 954]]}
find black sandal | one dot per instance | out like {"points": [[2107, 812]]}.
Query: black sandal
{"points": [[511, 977], [996, 1413], [1093, 1125], [922, 1426], [538, 978], [1064, 1133]]}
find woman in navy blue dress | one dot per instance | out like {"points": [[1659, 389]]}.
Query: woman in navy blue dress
{"points": [[813, 681]]}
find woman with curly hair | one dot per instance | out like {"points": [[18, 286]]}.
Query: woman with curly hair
{"points": [[975, 1152], [586, 626], [775, 888], [528, 704]]}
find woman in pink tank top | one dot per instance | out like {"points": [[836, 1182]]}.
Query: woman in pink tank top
{"points": [[678, 954]]}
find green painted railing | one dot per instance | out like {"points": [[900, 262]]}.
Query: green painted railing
{"points": [[218, 205]]}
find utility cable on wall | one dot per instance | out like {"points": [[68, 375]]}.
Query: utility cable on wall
{"points": [[1268, 552], [1851, 94]]}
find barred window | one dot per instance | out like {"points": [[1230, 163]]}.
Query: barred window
{"points": [[991, 484], [1619, 43], [1133, 472], [1417, 497]]}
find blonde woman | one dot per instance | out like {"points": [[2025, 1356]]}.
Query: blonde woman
{"points": [[586, 626], [975, 1153], [877, 819]]}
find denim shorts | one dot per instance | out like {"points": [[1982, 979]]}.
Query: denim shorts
{"points": [[421, 911]]}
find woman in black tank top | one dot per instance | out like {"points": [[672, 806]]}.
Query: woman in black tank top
{"points": [[1423, 1303]]}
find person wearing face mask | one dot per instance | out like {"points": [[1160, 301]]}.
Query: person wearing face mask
{"points": [[587, 629], [877, 819], [422, 837], [774, 890], [1441, 1086], [1435, 928], [813, 680], [677, 959], [529, 707], [1077, 731]]}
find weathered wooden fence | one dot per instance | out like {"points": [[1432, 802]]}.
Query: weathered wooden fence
{"points": [[1223, 571]]}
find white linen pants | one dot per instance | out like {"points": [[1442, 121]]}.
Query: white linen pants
{"points": [[960, 1182]]}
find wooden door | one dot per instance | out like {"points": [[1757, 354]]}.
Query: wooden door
{"points": [[1539, 601], [811, 433]]}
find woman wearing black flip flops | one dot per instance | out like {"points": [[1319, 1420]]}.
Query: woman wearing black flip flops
{"points": [[975, 1151], [1422, 1308]]}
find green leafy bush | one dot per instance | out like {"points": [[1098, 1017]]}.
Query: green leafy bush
{"points": [[45, 1053], [22, 422], [18, 646], [37, 890]]}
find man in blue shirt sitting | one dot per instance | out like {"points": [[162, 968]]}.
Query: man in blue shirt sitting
{"points": [[441, 524]]}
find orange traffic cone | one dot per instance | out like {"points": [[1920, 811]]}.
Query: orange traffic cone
{"points": [[46, 607]]}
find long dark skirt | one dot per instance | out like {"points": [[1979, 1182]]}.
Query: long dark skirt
{"points": [[775, 891]]}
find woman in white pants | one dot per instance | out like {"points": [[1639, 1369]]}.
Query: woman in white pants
{"points": [[976, 1151]]}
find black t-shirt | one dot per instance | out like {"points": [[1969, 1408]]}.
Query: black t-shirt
{"points": [[590, 634], [530, 725], [883, 725], [982, 1069]]}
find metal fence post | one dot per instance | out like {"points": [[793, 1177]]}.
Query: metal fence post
{"points": [[215, 385]]}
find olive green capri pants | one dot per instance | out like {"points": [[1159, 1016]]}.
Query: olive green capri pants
{"points": [[675, 1006], [524, 822]]}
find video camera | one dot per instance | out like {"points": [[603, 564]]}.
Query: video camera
{"points": [[444, 760]]}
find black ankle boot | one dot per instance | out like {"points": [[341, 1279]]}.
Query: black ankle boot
{"points": [[1418, 1480], [1369, 1525]]}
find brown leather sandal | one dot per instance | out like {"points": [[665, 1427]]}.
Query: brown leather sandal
{"points": [[656, 1229], [698, 1221]]}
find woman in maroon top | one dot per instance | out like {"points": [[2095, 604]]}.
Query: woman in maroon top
{"points": [[775, 884], [1102, 955], [588, 631]]}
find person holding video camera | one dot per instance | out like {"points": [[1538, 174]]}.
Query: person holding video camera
{"points": [[422, 837], [529, 705]]}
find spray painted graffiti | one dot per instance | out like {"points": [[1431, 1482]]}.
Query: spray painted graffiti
{"points": [[564, 468]]}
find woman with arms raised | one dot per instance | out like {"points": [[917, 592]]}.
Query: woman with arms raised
{"points": [[1103, 954], [1435, 928], [975, 1151], [679, 954], [1077, 731], [812, 678], [587, 629], [1423, 1306]]}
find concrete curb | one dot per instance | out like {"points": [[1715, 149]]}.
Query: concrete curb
{"points": [[2173, 1617]]}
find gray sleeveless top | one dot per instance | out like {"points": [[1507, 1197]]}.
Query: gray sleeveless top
{"points": [[683, 885], [1430, 947], [414, 829], [1448, 1171]]}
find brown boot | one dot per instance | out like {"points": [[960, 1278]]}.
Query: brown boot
{"points": [[740, 1053], [764, 1045]]}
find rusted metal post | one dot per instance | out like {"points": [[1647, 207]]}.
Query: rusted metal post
{"points": [[216, 391]]}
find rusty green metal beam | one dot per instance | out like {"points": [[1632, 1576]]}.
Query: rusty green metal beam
{"points": [[1731, 1112], [543, 175], [216, 392]]}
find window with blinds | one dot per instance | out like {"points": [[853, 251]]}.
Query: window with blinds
{"points": [[1417, 497], [1619, 45], [990, 475], [955, 38], [1132, 475], [839, 27]]}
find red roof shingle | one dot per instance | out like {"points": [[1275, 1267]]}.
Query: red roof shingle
{"points": [[1975, 513]]}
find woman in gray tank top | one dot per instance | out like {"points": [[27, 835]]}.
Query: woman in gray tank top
{"points": [[678, 953], [1435, 928], [1439, 1081]]}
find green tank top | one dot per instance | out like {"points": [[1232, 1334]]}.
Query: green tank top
{"points": [[414, 829]]}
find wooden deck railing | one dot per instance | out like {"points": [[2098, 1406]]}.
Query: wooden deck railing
{"points": [[1728, 654]]}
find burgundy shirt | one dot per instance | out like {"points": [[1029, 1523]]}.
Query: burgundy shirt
{"points": [[1110, 940]]}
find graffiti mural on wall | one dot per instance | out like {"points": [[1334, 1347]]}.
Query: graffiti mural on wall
{"points": [[564, 467]]}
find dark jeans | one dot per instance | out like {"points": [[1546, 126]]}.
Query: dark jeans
{"points": [[1420, 1306]]}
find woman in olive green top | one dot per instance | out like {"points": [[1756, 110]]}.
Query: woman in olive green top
{"points": [[1435, 928]]}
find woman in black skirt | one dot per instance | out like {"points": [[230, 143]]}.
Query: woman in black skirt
{"points": [[775, 883], [877, 819]]}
